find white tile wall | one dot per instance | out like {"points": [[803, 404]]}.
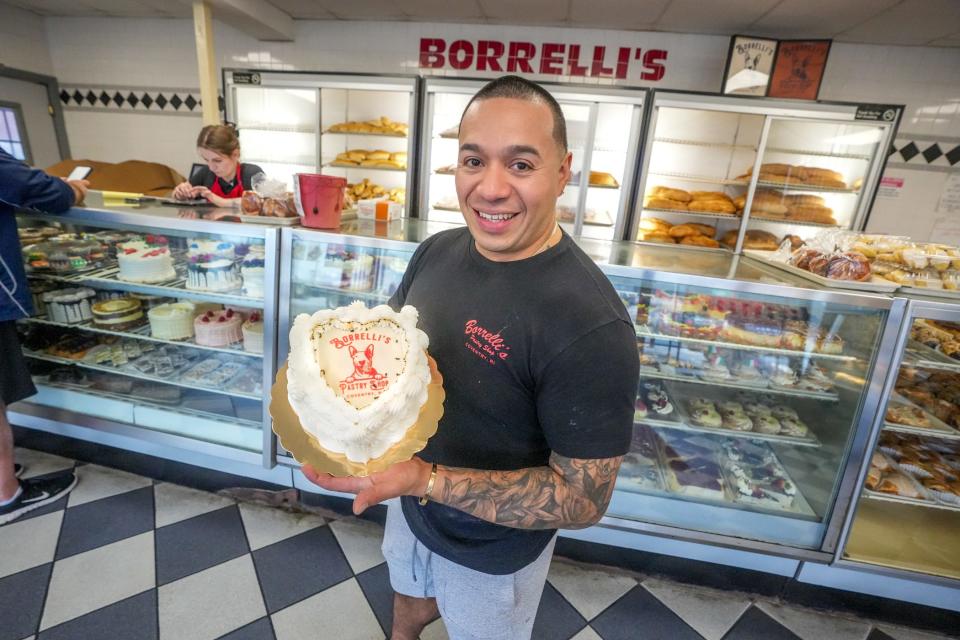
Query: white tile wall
{"points": [[23, 41]]}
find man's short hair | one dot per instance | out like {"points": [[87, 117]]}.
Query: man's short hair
{"points": [[522, 89]]}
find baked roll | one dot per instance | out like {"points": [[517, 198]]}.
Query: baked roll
{"points": [[712, 206], [672, 194], [659, 237], [699, 241], [604, 179], [812, 213], [710, 195], [655, 225], [755, 239], [804, 198], [692, 229], [657, 202]]}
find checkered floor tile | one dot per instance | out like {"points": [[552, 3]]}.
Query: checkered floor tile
{"points": [[127, 557]]}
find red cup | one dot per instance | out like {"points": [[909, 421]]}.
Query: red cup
{"points": [[319, 199]]}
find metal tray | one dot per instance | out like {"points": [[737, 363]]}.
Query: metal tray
{"points": [[875, 284]]}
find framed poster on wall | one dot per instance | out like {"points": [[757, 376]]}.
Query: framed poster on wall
{"points": [[749, 63], [798, 69]]}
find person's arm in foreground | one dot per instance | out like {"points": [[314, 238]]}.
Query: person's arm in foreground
{"points": [[23, 186], [570, 493]]}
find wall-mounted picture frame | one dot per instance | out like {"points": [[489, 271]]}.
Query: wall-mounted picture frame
{"points": [[749, 64], [798, 69]]}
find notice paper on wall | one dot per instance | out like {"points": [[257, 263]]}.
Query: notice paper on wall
{"points": [[890, 187], [946, 230], [950, 195]]}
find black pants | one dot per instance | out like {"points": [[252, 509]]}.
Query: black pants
{"points": [[15, 381]]}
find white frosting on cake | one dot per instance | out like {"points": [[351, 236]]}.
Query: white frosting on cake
{"points": [[139, 262], [357, 377], [173, 321]]}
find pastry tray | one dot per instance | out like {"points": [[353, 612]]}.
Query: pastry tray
{"points": [[651, 419], [938, 427], [271, 220], [927, 500], [363, 133], [644, 332], [875, 284], [688, 425], [800, 505], [735, 383]]}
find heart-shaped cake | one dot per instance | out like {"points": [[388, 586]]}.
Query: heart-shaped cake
{"points": [[357, 377]]}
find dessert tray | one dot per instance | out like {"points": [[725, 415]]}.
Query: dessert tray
{"points": [[876, 283]]}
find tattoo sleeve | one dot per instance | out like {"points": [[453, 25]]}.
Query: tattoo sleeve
{"points": [[570, 493]]}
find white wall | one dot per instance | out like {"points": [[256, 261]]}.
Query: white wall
{"points": [[149, 54], [23, 41]]}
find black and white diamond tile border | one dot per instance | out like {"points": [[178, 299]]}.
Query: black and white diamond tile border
{"points": [[925, 153], [128, 557], [143, 99]]}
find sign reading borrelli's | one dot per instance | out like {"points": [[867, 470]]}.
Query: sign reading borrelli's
{"points": [[548, 58]]}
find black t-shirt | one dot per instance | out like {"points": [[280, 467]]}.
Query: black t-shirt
{"points": [[204, 177], [537, 355]]}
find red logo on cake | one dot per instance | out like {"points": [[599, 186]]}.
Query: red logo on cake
{"points": [[484, 344], [364, 380]]}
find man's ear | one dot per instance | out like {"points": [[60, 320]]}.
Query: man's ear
{"points": [[565, 170]]}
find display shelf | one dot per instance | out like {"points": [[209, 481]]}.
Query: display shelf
{"points": [[695, 214], [141, 333], [106, 278], [953, 434], [798, 187], [823, 154], [327, 132], [920, 355], [705, 179], [137, 375], [904, 536], [361, 168], [143, 401], [701, 143], [798, 223], [916, 502], [730, 433], [347, 293], [740, 386], [646, 333], [937, 427], [300, 162], [273, 126]]}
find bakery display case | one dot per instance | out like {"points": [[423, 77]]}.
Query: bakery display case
{"points": [[907, 519], [754, 401], [744, 173], [153, 323], [361, 128], [603, 132]]}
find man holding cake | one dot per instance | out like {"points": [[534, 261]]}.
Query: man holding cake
{"points": [[540, 371], [21, 186]]}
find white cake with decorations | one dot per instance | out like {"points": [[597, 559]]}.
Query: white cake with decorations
{"points": [[172, 321], [218, 248], [252, 270], [358, 377], [147, 260]]}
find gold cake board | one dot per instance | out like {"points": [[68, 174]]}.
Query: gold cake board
{"points": [[306, 449]]}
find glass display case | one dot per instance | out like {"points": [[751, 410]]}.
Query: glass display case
{"points": [[907, 519], [742, 173], [603, 132], [361, 128], [754, 395], [755, 402], [155, 321]]}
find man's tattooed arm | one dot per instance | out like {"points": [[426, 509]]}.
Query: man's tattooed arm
{"points": [[570, 493]]}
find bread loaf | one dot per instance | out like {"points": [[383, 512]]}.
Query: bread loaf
{"points": [[700, 241], [657, 202], [671, 194], [692, 229]]}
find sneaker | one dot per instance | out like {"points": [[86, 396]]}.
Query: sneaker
{"points": [[37, 492], [17, 470]]}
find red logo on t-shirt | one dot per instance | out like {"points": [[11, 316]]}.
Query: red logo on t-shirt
{"points": [[485, 344]]}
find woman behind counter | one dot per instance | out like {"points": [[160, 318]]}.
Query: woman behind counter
{"points": [[225, 178]]}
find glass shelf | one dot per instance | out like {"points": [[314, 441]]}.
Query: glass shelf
{"points": [[139, 376], [142, 333]]}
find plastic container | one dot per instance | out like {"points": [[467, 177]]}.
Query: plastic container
{"points": [[319, 199], [378, 209]]}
